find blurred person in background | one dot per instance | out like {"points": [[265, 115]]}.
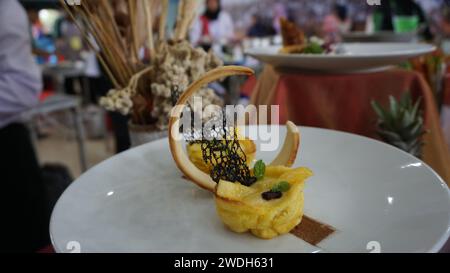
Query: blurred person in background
{"points": [[214, 29], [444, 24], [69, 46], [23, 208], [37, 30], [259, 28], [336, 23], [37, 34], [401, 16], [68, 38], [279, 11]]}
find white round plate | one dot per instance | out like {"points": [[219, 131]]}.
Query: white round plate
{"points": [[358, 57], [372, 193], [381, 36]]}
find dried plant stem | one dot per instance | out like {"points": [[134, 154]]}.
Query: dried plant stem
{"points": [[107, 41], [94, 48], [134, 31], [107, 6], [163, 20], [180, 17], [149, 22], [116, 27], [186, 15]]}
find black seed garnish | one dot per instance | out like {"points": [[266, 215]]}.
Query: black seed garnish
{"points": [[271, 195]]}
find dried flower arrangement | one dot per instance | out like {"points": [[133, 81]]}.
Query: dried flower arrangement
{"points": [[142, 88]]}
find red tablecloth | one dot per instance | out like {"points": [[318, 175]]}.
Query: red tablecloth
{"points": [[342, 102]]}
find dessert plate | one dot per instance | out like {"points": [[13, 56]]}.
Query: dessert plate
{"points": [[356, 57], [377, 197]]}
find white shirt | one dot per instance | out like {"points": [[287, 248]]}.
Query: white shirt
{"points": [[20, 77], [221, 30]]}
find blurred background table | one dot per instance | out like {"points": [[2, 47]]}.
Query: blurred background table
{"points": [[342, 102], [60, 72], [59, 103]]}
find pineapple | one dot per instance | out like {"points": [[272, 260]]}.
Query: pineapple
{"points": [[244, 209], [402, 124]]}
